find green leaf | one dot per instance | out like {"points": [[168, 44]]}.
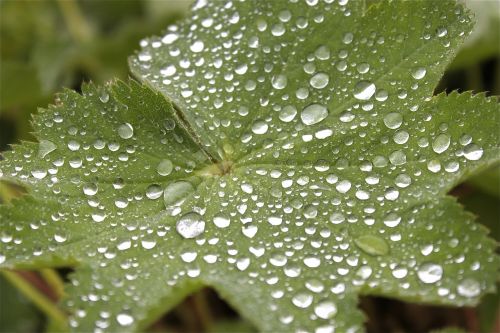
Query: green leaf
{"points": [[289, 155]]}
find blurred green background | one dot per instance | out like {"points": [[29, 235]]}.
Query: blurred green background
{"points": [[46, 45]]}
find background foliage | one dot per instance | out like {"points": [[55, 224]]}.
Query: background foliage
{"points": [[47, 45]]}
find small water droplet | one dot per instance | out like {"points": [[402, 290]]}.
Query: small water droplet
{"points": [[222, 221], [279, 81], [124, 319], [419, 73], [154, 191], [302, 300], [288, 113], [259, 127], [473, 152]]}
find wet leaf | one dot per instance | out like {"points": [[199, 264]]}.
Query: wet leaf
{"points": [[289, 155]]}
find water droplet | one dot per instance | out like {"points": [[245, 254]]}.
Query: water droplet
{"points": [[419, 73], [313, 114], [259, 127], [124, 319], [197, 46], [364, 90], [90, 189], [222, 221], [302, 300], [392, 220], [372, 245], [175, 193], [125, 131], [190, 225], [45, 147], [288, 113], [165, 167], [319, 80], [279, 81], [441, 143], [154, 191], [430, 272], [469, 288], [393, 120], [325, 310], [473, 152]]}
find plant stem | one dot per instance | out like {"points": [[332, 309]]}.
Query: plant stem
{"points": [[78, 27], [40, 300], [202, 310], [54, 280]]}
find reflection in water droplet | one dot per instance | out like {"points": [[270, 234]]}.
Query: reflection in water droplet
{"points": [[372, 245], [313, 114], [364, 90], [125, 131], [190, 225], [430, 272]]}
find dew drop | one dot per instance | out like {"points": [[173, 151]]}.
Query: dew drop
{"points": [[288, 113], [313, 114], [430, 272], [165, 167], [154, 191], [45, 147], [302, 300], [364, 90], [190, 225], [393, 120], [325, 310], [124, 319], [125, 131], [473, 152], [441, 143], [319, 80], [175, 193], [419, 73], [372, 245], [469, 288], [259, 127], [279, 81], [222, 221]]}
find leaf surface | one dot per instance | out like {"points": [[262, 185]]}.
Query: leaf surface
{"points": [[289, 155]]}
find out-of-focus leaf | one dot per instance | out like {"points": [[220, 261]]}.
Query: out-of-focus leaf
{"points": [[488, 181], [232, 326], [19, 84], [17, 315]]}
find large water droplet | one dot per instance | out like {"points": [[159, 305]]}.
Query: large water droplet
{"points": [[430, 272], [325, 310], [473, 152], [319, 80], [393, 120], [175, 193], [302, 300], [288, 113], [259, 127], [418, 73], [45, 147], [124, 319], [125, 131], [364, 90], [190, 225], [469, 288], [372, 245], [279, 81], [154, 191], [441, 143], [313, 114], [165, 167]]}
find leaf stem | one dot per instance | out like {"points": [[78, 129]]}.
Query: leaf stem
{"points": [[54, 280], [40, 300], [202, 310], [77, 25]]}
